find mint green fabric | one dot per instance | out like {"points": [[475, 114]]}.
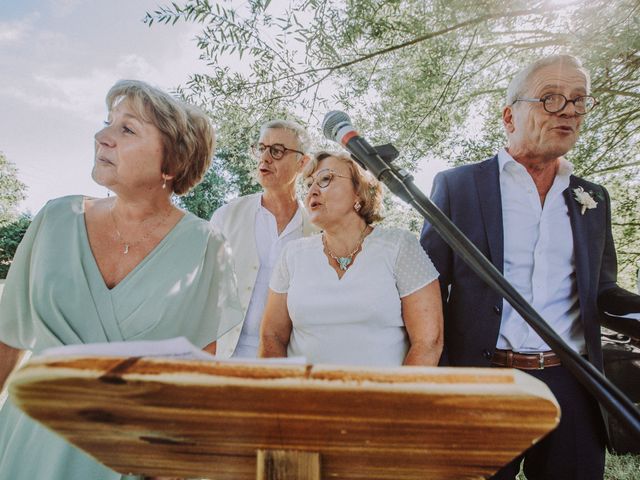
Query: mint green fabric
{"points": [[55, 295]]}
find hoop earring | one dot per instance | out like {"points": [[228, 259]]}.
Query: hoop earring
{"points": [[357, 206], [164, 181]]}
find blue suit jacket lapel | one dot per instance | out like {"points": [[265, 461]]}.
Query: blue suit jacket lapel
{"points": [[579, 228], [488, 184]]}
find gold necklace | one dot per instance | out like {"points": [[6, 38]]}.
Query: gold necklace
{"points": [[344, 262], [127, 245]]}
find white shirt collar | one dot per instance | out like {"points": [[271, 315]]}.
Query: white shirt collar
{"points": [[295, 222], [565, 167]]}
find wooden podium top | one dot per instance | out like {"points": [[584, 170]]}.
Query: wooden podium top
{"points": [[207, 419]]}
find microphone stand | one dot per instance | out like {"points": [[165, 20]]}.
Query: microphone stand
{"points": [[400, 182]]}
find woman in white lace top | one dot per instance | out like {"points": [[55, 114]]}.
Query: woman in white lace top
{"points": [[356, 294]]}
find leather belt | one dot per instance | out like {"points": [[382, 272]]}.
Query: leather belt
{"points": [[525, 361]]}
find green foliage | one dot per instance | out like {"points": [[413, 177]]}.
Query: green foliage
{"points": [[10, 237], [12, 190], [427, 75], [400, 215], [224, 180], [622, 467], [207, 196], [623, 190], [617, 467]]}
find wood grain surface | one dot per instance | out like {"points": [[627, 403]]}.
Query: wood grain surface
{"points": [[208, 419], [287, 465]]}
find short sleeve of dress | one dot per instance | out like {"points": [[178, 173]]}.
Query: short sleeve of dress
{"points": [[279, 282], [220, 287], [413, 268], [16, 326]]}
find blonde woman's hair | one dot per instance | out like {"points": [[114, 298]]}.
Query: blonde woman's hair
{"points": [[188, 138], [368, 189]]}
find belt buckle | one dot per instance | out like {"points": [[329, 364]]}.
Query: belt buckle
{"points": [[540, 360]]}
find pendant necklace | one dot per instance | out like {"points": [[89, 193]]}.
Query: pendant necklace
{"points": [[127, 245], [345, 262]]}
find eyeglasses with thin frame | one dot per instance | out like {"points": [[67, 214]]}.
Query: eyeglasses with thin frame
{"points": [[322, 178], [556, 102], [277, 150]]}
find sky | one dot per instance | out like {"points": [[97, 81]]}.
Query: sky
{"points": [[58, 59]]}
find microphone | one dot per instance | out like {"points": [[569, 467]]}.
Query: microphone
{"points": [[337, 127]]}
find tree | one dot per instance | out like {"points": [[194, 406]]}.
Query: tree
{"points": [[10, 237], [12, 190], [219, 185], [428, 75], [208, 195]]}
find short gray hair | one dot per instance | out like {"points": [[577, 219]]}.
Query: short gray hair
{"points": [[302, 137], [519, 84]]}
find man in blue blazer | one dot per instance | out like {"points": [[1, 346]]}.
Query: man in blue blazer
{"points": [[549, 233]]}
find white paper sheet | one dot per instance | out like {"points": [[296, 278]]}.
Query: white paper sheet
{"points": [[178, 348]]}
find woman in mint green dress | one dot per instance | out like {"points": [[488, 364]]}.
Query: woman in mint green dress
{"points": [[128, 267]]}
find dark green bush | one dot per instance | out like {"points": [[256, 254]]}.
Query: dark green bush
{"points": [[10, 237]]}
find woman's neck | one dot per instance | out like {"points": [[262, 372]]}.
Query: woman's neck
{"points": [[344, 238], [140, 209]]}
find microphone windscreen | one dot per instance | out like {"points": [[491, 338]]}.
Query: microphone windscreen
{"points": [[334, 121]]}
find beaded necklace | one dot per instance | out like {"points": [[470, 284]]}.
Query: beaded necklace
{"points": [[345, 262]]}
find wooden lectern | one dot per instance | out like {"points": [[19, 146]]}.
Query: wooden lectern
{"points": [[237, 421]]}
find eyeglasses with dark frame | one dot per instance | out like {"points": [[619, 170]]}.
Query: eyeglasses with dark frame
{"points": [[322, 178], [556, 102], [277, 150]]}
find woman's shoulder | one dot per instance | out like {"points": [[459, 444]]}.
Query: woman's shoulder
{"points": [[61, 207], [394, 242], [302, 246], [67, 201], [393, 235], [194, 237], [192, 224]]}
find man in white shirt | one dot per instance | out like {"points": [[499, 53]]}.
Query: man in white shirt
{"points": [[257, 227], [549, 233]]}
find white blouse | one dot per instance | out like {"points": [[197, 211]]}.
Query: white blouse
{"points": [[355, 320]]}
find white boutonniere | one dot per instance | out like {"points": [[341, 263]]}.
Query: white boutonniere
{"points": [[585, 199]]}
